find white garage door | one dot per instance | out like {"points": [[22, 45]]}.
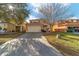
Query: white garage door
{"points": [[34, 29]]}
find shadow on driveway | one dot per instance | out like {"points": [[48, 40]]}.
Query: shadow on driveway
{"points": [[33, 48]]}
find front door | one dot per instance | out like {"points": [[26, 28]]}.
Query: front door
{"points": [[17, 28]]}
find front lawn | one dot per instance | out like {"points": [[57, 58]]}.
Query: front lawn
{"points": [[68, 43], [6, 37]]}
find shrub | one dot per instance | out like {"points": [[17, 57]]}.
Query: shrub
{"points": [[5, 29], [0, 28], [70, 29]]}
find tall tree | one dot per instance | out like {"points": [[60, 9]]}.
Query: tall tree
{"points": [[14, 12], [55, 11]]}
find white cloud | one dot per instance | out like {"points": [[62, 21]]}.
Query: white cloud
{"points": [[31, 17], [36, 4], [36, 10], [74, 18], [66, 4]]}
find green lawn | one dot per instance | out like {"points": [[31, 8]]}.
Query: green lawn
{"points": [[6, 37], [68, 43]]}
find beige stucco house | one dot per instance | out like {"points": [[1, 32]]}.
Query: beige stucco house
{"points": [[22, 28], [8, 26]]}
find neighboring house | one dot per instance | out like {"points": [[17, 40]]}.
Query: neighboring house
{"points": [[63, 25], [59, 27], [8, 26]]}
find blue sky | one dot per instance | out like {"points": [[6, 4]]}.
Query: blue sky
{"points": [[74, 9]]}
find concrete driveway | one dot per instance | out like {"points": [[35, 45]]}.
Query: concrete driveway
{"points": [[29, 44]]}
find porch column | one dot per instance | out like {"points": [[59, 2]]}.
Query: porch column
{"points": [[21, 29]]}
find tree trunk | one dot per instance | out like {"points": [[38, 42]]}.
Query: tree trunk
{"points": [[51, 27]]}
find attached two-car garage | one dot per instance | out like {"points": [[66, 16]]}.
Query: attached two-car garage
{"points": [[34, 27], [37, 26]]}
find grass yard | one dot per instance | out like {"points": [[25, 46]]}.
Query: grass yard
{"points": [[6, 37], [68, 43]]}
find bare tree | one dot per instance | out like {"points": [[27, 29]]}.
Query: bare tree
{"points": [[55, 11]]}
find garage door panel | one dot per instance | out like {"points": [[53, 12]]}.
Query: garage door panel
{"points": [[34, 29]]}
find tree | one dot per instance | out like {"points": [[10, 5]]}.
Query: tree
{"points": [[13, 12], [54, 12], [21, 12]]}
